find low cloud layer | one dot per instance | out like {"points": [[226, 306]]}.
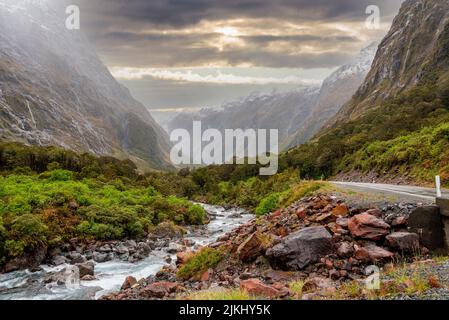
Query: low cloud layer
{"points": [[216, 78]]}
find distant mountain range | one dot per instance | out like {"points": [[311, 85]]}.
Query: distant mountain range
{"points": [[298, 115], [54, 90]]}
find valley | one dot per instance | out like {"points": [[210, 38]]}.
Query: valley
{"points": [[94, 207]]}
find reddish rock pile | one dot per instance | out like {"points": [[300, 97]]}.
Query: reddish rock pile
{"points": [[318, 237]]}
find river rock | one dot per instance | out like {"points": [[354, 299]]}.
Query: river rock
{"points": [[367, 226], [129, 283], [130, 243], [300, 248], [144, 248], [59, 260], [173, 248], [75, 257], [121, 249], [251, 248], [403, 241], [101, 257], [342, 222], [29, 260], [85, 269], [105, 248]]}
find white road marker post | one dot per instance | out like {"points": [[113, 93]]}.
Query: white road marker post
{"points": [[438, 185]]}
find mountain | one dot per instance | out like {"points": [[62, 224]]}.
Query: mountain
{"points": [[396, 126], [336, 90], [415, 50], [283, 111], [298, 115], [54, 90]]}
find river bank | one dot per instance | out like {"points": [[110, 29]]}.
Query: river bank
{"points": [[104, 266]]}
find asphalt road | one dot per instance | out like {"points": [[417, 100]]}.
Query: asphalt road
{"points": [[408, 191]]}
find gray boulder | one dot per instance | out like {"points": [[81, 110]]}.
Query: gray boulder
{"points": [[76, 257], [427, 223], [403, 241], [121, 249], [27, 261], [300, 248], [59, 260], [100, 257]]}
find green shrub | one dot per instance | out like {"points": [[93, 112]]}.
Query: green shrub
{"points": [[26, 233], [60, 175], [99, 231], [195, 215], [268, 204], [202, 261]]}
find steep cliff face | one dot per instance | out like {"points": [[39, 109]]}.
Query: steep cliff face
{"points": [[415, 50], [54, 90], [336, 90]]}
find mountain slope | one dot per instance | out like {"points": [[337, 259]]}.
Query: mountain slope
{"points": [[396, 125], [415, 50], [283, 111], [336, 90], [54, 90]]}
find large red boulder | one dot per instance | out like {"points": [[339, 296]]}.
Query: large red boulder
{"points": [[371, 253], [367, 226]]}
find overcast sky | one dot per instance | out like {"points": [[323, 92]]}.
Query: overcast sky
{"points": [[176, 54]]}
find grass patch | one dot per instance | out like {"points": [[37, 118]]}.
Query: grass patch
{"points": [[225, 294], [296, 287], [202, 261], [402, 279]]}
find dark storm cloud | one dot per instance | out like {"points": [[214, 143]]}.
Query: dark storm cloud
{"points": [[133, 32], [182, 13]]}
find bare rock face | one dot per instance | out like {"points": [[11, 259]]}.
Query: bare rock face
{"points": [[414, 48], [367, 226], [300, 248]]}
